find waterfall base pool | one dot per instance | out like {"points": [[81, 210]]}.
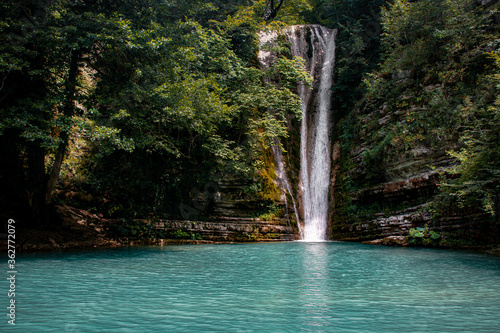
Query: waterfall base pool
{"points": [[264, 287]]}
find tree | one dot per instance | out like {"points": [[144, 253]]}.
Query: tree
{"points": [[43, 47], [169, 110], [157, 96], [477, 177], [56, 58], [273, 12], [272, 9]]}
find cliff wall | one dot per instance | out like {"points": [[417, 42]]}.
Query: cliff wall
{"points": [[380, 190]]}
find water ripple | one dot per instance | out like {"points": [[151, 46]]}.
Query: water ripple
{"points": [[284, 287]]}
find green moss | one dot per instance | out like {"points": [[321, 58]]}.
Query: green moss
{"points": [[271, 211], [269, 190], [272, 236]]}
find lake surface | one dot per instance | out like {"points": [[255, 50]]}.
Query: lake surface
{"points": [[263, 287]]}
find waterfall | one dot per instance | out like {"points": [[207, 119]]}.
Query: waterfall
{"points": [[315, 44], [283, 183], [314, 132]]}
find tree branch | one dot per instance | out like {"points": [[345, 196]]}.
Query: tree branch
{"points": [[271, 12]]}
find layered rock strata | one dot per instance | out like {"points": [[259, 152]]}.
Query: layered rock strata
{"points": [[233, 229]]}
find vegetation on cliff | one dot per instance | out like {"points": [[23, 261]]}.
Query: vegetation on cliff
{"points": [[431, 107]]}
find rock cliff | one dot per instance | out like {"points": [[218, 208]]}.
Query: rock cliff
{"points": [[381, 200]]}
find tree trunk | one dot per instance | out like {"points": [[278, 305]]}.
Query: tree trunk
{"points": [[53, 177], [271, 11], [68, 111], [34, 178]]}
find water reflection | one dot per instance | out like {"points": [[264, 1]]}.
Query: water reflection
{"points": [[316, 280]]}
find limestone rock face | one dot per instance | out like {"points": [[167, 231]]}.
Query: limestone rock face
{"points": [[384, 209], [394, 207], [234, 229]]}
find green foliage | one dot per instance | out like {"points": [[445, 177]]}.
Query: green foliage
{"points": [[159, 95], [478, 174], [424, 236], [291, 12], [431, 68], [45, 47], [136, 229], [422, 33], [183, 234], [358, 44], [269, 212]]}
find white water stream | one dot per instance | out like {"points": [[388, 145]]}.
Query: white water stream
{"points": [[283, 183], [315, 143], [315, 44]]}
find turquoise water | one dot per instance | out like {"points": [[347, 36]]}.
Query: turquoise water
{"points": [[277, 287]]}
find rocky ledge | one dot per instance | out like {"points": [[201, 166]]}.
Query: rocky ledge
{"points": [[81, 229], [389, 224], [233, 229]]}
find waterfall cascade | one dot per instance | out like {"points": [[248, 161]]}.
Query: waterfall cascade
{"points": [[316, 122], [283, 182], [315, 44]]}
